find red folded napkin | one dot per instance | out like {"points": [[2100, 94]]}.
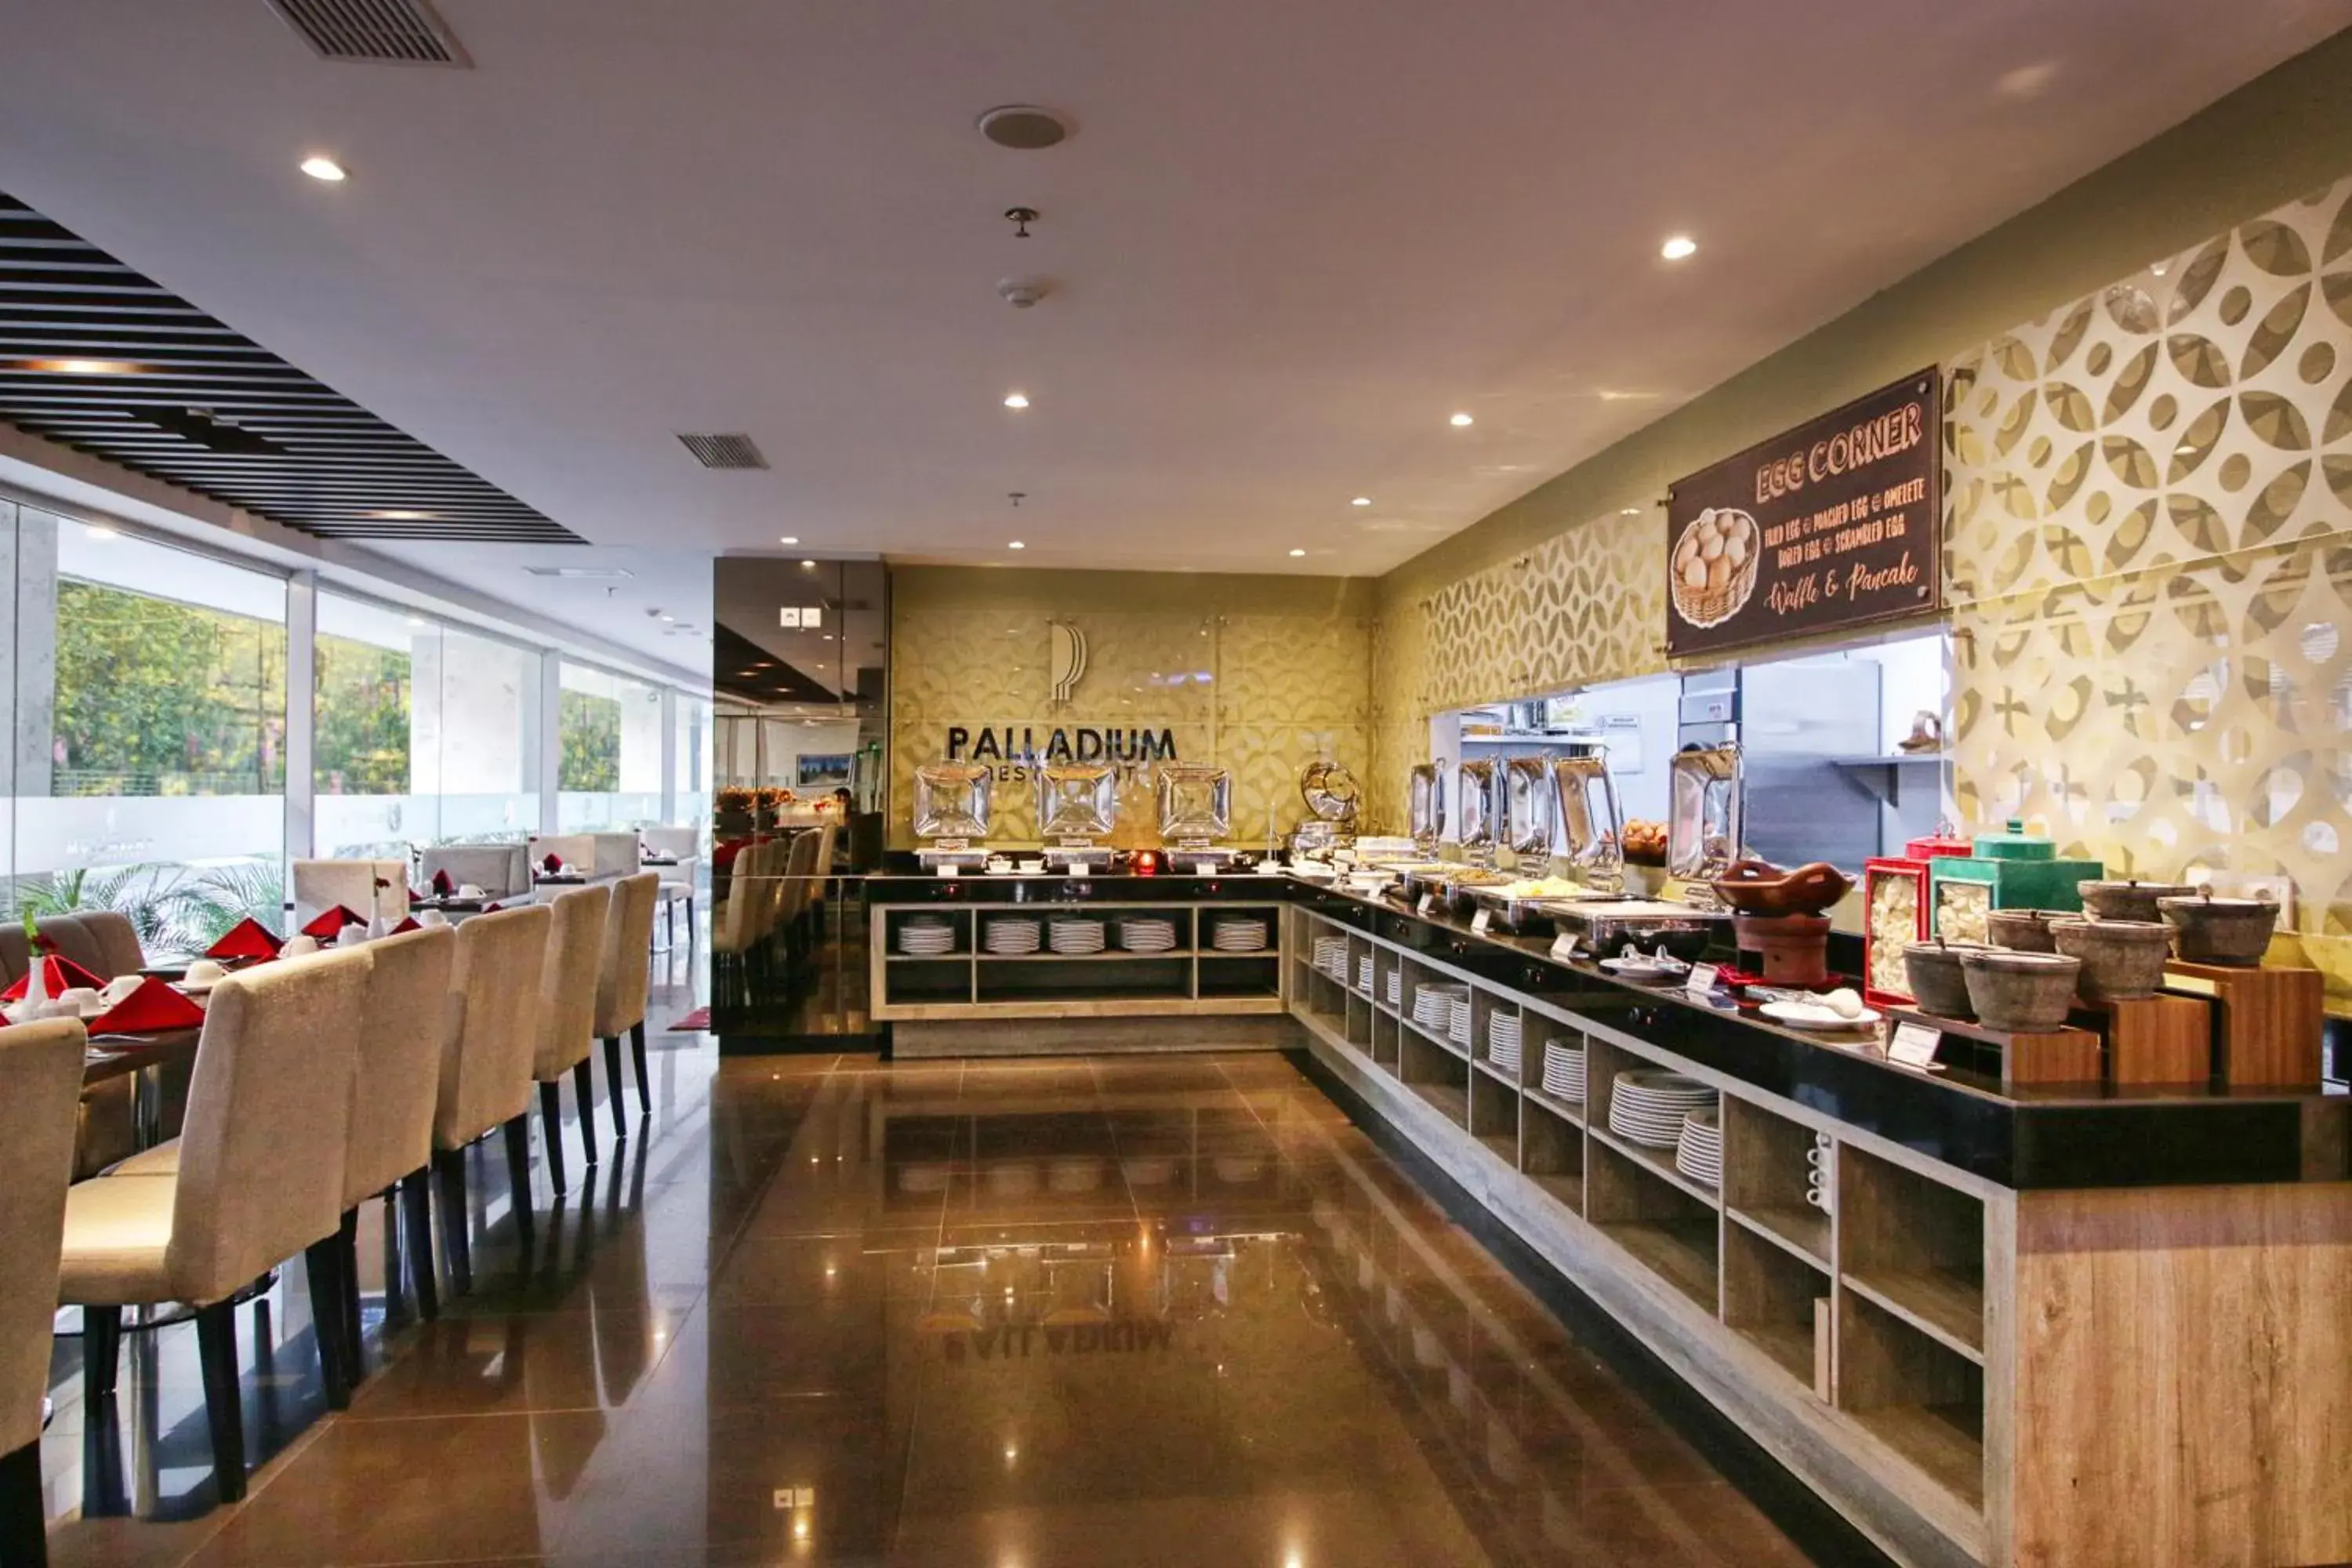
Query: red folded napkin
{"points": [[552, 864], [443, 884], [493, 908], [330, 925], [64, 975], [150, 1010], [407, 925], [246, 938]]}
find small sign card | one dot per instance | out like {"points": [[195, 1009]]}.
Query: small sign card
{"points": [[1914, 1045], [1480, 922], [1204, 867], [1564, 947], [1701, 979], [1080, 868], [946, 870], [1426, 900]]}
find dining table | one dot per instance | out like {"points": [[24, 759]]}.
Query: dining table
{"points": [[144, 1057]]}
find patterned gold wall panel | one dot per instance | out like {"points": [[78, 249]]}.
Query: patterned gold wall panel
{"points": [[1262, 682], [2151, 571]]}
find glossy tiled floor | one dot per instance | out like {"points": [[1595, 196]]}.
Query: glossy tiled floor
{"points": [[823, 1309]]}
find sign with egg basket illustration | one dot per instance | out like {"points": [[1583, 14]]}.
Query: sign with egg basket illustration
{"points": [[1836, 524]]}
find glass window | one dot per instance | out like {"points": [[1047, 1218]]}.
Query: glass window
{"points": [[476, 747], [609, 767], [364, 702], [151, 730], [690, 762]]}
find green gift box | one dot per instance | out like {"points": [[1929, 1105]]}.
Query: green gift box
{"points": [[2012, 869]]}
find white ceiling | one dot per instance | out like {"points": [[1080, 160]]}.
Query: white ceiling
{"points": [[1290, 239]]}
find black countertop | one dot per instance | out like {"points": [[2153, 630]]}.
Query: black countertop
{"points": [[2025, 1137]]}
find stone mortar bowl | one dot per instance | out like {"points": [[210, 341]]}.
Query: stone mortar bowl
{"points": [[2021, 931], [2131, 900], [1939, 984], [2234, 932], [2023, 992], [2121, 959]]}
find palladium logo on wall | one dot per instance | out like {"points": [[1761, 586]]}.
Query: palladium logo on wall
{"points": [[1068, 657]]}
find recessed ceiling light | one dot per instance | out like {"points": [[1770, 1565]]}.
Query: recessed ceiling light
{"points": [[1015, 544], [673, 619], [399, 514], [1016, 400], [1299, 553], [1633, 511], [790, 539], [319, 166], [1680, 248], [85, 366], [808, 565], [1362, 500], [1459, 420]]}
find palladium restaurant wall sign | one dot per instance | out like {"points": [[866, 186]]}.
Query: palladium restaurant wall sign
{"points": [[1838, 522]]}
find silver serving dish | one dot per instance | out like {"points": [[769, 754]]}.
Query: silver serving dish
{"points": [[952, 800], [1196, 802], [1331, 794], [1473, 797], [1586, 798], [1527, 805], [1604, 927], [1514, 914], [1458, 889], [1703, 824], [1077, 800], [1426, 804]]}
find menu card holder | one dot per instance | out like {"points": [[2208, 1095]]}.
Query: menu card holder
{"points": [[2067, 1055]]}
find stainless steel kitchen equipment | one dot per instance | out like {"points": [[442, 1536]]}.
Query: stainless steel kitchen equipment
{"points": [[1703, 827], [1526, 802], [1077, 804], [951, 812], [1474, 798], [1426, 804], [1586, 799]]}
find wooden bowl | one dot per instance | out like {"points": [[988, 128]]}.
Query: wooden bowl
{"points": [[1756, 887]]}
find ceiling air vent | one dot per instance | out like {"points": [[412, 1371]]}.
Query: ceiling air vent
{"points": [[734, 451], [374, 32]]}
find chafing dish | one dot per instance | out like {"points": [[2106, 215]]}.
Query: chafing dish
{"points": [[1076, 805], [952, 811], [1426, 804], [1527, 807], [1586, 798], [1704, 824], [1517, 906], [1474, 799], [1602, 927], [1457, 890]]}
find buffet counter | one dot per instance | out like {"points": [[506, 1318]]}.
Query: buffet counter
{"points": [[2044, 1324]]}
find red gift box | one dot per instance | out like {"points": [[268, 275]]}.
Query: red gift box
{"points": [[330, 925], [64, 974], [152, 1009], [246, 938]]}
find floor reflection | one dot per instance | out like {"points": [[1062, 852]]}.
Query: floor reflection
{"points": [[823, 1309]]}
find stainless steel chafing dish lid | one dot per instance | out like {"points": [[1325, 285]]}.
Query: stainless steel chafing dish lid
{"points": [[1587, 798], [1527, 805], [1704, 824], [1196, 802], [1425, 803], [1077, 800], [1473, 797], [952, 800]]}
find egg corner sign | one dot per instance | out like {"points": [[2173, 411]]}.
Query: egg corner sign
{"points": [[1837, 522]]}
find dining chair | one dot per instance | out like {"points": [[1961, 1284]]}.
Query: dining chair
{"points": [[576, 850], [623, 985], [320, 885], [567, 1020], [734, 926], [501, 870], [69, 938], [404, 1024], [117, 940], [613, 854], [105, 1120], [258, 1176], [677, 882], [40, 1077], [799, 882], [820, 876], [485, 1079]]}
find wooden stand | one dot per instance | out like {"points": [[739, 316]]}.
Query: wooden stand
{"points": [[2156, 1039], [2061, 1055], [2266, 1022]]}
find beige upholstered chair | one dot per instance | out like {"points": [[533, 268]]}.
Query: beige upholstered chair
{"points": [[486, 1057], [799, 887], [576, 850], [498, 870], [623, 983], [404, 1024], [735, 925], [106, 1121], [320, 885], [117, 940], [567, 1020], [679, 881], [40, 1076], [259, 1178], [69, 938], [613, 854]]}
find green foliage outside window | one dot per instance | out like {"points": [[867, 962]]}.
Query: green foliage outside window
{"points": [[160, 697], [591, 730], [363, 739]]}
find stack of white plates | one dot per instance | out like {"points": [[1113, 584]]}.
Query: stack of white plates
{"points": [[1647, 1106], [1151, 935], [1458, 1026], [1698, 1151], [1364, 974], [1331, 955], [1244, 936], [1433, 1006], [1076, 938], [927, 939], [1503, 1040], [1563, 1074], [1396, 987], [1014, 937]]}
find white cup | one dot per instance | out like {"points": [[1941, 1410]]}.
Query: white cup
{"points": [[211, 972], [118, 989], [469, 890], [431, 918], [81, 1000], [351, 936], [1818, 1197], [1818, 1157], [302, 944]]}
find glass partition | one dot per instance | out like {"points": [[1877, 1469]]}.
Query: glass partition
{"points": [[610, 735]]}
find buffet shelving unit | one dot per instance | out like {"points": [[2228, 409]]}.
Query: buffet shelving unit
{"points": [[1862, 1331]]}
